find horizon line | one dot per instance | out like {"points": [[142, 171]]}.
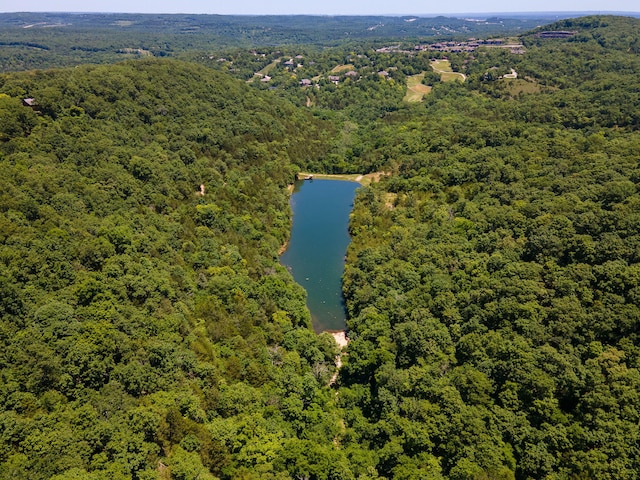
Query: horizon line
{"points": [[422, 15]]}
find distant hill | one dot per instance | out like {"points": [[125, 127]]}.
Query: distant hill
{"points": [[41, 40]]}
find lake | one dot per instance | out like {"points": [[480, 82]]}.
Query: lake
{"points": [[318, 245]]}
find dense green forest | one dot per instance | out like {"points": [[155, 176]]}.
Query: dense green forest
{"points": [[492, 282], [37, 40], [142, 322], [492, 286]]}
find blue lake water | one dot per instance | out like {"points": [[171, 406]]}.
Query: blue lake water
{"points": [[317, 247]]}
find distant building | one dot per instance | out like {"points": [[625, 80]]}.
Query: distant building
{"points": [[470, 46], [556, 34]]}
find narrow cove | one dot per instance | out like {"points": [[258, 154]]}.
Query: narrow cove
{"points": [[317, 247]]}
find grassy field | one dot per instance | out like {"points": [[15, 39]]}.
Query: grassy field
{"points": [[517, 86], [266, 70], [415, 89], [343, 68], [443, 67]]}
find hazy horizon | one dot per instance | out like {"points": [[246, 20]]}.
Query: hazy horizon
{"points": [[325, 8], [388, 14]]}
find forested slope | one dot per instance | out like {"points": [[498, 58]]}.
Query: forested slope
{"points": [[147, 329], [492, 282]]}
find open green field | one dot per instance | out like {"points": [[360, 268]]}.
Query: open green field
{"points": [[415, 89], [443, 67], [267, 69], [517, 86], [343, 68]]}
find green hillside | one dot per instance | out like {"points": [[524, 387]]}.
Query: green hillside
{"points": [[492, 282], [142, 322]]}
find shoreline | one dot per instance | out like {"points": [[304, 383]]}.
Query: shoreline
{"points": [[362, 179], [283, 248], [340, 337], [348, 177]]}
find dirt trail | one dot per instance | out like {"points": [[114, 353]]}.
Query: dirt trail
{"points": [[342, 341], [462, 75]]}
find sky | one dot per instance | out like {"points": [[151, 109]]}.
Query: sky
{"points": [[320, 7]]}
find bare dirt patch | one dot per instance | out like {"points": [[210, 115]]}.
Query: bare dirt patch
{"points": [[341, 339], [365, 180]]}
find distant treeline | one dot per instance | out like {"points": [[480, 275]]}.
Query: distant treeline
{"points": [[72, 39]]}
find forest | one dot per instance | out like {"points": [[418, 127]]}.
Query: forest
{"points": [[45, 40], [147, 330]]}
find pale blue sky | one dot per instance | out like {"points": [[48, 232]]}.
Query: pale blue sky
{"points": [[321, 7]]}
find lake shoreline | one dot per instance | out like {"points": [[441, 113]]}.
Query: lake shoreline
{"points": [[315, 250], [363, 179], [340, 336], [351, 177]]}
